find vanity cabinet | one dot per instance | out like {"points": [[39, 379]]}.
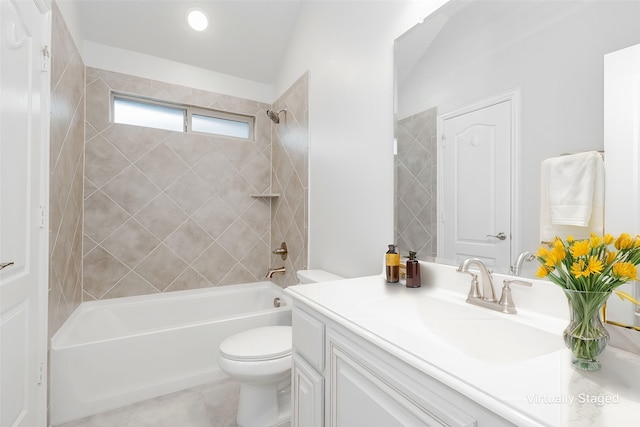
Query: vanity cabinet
{"points": [[342, 379], [308, 392]]}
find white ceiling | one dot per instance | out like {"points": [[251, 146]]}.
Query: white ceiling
{"points": [[246, 38]]}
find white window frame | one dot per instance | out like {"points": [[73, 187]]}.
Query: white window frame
{"points": [[188, 112]]}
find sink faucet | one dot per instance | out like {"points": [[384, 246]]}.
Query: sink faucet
{"points": [[488, 292], [524, 256], [487, 298]]}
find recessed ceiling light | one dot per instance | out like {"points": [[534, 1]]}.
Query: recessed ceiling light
{"points": [[197, 19]]}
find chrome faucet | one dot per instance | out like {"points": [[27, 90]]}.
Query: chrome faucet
{"points": [[487, 298], [272, 271], [488, 292], [516, 269]]}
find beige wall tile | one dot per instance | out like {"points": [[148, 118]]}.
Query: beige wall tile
{"points": [[161, 267], [290, 146], [101, 272], [66, 166], [416, 198], [175, 209]]}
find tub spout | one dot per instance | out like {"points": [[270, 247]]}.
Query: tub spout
{"points": [[273, 271]]}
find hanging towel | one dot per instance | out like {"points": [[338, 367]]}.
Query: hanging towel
{"points": [[572, 196]]}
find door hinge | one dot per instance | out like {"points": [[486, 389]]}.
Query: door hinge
{"points": [[41, 373], [43, 217], [46, 56], [443, 141]]}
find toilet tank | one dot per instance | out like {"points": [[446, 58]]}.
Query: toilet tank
{"points": [[315, 276]]}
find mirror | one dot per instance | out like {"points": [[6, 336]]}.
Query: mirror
{"points": [[468, 51]]}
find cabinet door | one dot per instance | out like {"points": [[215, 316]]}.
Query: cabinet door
{"points": [[308, 395], [359, 398]]}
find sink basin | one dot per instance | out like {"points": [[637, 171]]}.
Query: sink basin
{"points": [[486, 335], [480, 333]]}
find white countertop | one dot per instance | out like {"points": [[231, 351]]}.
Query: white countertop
{"points": [[542, 388]]}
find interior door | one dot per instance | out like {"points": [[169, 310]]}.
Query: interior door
{"points": [[23, 194], [475, 188], [622, 161]]}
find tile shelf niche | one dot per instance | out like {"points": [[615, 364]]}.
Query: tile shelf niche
{"points": [[265, 196]]}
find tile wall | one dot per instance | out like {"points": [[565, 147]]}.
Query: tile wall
{"points": [[290, 177], [416, 184], [169, 211], [66, 169]]}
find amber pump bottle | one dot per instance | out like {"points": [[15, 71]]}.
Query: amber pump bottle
{"points": [[392, 262], [413, 271]]}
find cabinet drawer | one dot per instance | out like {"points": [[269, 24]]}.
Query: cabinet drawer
{"points": [[308, 338]]}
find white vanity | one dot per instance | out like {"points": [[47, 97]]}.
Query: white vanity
{"points": [[368, 353]]}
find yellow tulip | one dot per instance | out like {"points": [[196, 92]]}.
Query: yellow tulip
{"points": [[580, 248], [542, 271], [595, 266], [543, 252], [611, 256], [608, 239], [559, 254], [625, 270], [579, 268], [595, 240], [625, 241]]}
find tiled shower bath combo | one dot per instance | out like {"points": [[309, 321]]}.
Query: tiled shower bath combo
{"points": [[140, 211]]}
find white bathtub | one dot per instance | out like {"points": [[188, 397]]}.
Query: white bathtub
{"points": [[120, 351]]}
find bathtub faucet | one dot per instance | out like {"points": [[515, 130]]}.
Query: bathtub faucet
{"points": [[273, 271]]}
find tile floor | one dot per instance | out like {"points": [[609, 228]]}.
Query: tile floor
{"points": [[210, 405]]}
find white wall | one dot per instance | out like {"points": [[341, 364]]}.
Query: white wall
{"points": [[347, 47], [151, 67]]}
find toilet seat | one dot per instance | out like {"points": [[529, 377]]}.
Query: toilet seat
{"points": [[264, 343]]}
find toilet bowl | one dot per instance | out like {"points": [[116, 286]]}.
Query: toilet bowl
{"points": [[260, 360]]}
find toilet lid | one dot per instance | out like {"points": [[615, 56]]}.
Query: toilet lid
{"points": [[265, 343]]}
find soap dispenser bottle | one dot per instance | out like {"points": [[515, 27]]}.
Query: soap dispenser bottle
{"points": [[392, 262], [413, 271]]}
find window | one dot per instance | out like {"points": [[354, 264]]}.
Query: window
{"points": [[137, 111]]}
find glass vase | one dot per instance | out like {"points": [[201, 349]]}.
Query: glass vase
{"points": [[586, 335]]}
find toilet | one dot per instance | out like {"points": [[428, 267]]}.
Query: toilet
{"points": [[260, 360]]}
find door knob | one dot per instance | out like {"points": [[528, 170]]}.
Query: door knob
{"points": [[5, 264], [500, 236]]}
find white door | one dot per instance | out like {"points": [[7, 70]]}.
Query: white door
{"points": [[24, 94], [622, 160], [475, 184]]}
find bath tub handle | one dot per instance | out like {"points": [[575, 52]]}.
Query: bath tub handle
{"points": [[276, 302]]}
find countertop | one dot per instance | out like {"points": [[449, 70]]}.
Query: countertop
{"points": [[541, 389]]}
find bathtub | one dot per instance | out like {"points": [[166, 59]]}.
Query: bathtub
{"points": [[116, 352]]}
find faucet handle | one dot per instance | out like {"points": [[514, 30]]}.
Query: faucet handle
{"points": [[474, 290], [506, 300]]}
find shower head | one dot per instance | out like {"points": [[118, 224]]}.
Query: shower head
{"points": [[275, 117]]}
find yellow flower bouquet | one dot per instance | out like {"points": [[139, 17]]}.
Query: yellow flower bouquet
{"points": [[589, 271]]}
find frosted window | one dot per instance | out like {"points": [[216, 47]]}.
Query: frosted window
{"points": [[220, 126], [130, 112]]}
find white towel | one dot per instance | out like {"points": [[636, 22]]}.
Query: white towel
{"points": [[572, 196]]}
